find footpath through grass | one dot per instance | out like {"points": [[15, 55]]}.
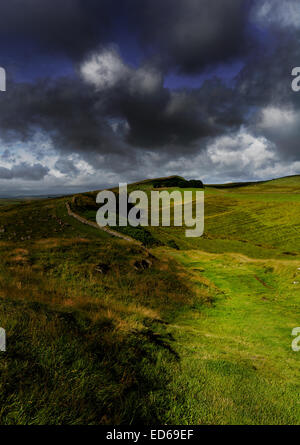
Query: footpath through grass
{"points": [[237, 365], [86, 321], [197, 331]]}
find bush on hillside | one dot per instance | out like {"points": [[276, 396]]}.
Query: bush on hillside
{"points": [[177, 182]]}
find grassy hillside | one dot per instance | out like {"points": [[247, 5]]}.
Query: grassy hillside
{"points": [[7, 202], [237, 361], [86, 320], [191, 331]]}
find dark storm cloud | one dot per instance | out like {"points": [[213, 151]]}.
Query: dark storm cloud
{"points": [[71, 27], [267, 77], [191, 34], [80, 119], [65, 109], [66, 166], [264, 85], [110, 111], [180, 119], [23, 170], [188, 34]]}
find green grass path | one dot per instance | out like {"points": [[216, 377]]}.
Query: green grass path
{"points": [[237, 363]]}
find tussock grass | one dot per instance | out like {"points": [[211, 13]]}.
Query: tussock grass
{"points": [[203, 335], [82, 346]]}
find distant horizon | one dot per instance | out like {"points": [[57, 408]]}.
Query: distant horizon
{"points": [[17, 195]]}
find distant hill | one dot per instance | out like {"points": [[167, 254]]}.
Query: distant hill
{"points": [[169, 181], [177, 181], [292, 180]]}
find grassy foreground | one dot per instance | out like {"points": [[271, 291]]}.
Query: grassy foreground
{"points": [[194, 331]]}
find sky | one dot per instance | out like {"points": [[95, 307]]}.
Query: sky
{"points": [[101, 92]]}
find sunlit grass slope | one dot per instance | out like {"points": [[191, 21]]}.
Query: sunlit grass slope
{"points": [[237, 364], [236, 360], [194, 330], [262, 221], [86, 321]]}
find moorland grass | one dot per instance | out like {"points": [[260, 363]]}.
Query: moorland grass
{"points": [[202, 336], [87, 333]]}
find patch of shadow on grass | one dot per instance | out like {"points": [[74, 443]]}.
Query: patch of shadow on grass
{"points": [[160, 341]]}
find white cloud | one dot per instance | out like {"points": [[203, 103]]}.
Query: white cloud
{"points": [[237, 157], [284, 13], [240, 151], [273, 117], [106, 69]]}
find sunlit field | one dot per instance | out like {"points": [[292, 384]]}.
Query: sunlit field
{"points": [[174, 331]]}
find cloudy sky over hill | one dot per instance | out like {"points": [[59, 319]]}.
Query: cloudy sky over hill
{"points": [[108, 91]]}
